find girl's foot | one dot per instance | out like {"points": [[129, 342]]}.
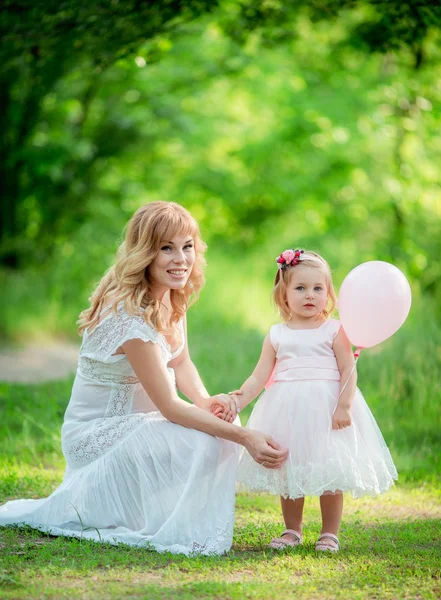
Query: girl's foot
{"points": [[289, 537], [327, 542]]}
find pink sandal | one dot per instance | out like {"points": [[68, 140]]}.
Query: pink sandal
{"points": [[283, 542], [323, 546]]}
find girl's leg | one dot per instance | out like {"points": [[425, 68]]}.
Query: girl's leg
{"points": [[331, 506], [293, 514]]}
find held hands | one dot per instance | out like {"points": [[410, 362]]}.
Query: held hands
{"points": [[226, 406], [341, 418]]}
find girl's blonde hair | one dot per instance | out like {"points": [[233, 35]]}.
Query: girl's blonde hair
{"points": [[128, 279], [283, 277]]}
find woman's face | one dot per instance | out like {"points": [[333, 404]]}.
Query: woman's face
{"points": [[172, 266]]}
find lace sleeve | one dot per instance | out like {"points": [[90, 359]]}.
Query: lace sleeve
{"points": [[114, 331], [139, 329]]}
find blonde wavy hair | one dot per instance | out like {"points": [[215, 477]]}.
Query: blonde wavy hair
{"points": [[283, 277], [128, 279]]}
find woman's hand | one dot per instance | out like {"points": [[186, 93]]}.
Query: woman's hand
{"points": [[205, 403], [341, 418], [265, 450]]}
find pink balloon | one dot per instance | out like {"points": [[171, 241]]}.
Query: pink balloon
{"points": [[373, 303]]}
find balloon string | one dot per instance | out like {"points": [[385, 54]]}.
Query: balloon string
{"points": [[356, 355]]}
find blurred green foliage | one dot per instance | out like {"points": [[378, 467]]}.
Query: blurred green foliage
{"points": [[276, 124]]}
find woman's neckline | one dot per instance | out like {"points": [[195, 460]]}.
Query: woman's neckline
{"points": [[306, 329], [118, 306]]}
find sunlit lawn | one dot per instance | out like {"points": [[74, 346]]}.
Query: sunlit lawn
{"points": [[390, 549]]}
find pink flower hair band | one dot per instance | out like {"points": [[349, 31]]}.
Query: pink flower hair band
{"points": [[289, 258]]}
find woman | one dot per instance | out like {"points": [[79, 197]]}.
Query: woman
{"points": [[141, 468]]}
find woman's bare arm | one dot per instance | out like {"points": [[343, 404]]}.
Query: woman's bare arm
{"points": [[146, 360], [189, 382]]}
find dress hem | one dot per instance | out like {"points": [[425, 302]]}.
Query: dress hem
{"points": [[355, 493]]}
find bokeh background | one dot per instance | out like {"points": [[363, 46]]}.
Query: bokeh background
{"points": [[294, 124]]}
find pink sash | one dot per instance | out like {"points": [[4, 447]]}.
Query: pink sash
{"points": [[305, 368]]}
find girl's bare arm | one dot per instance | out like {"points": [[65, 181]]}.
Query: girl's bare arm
{"points": [[345, 361]]}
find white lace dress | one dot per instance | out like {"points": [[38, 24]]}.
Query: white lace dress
{"points": [[132, 476]]}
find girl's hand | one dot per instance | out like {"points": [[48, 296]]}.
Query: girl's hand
{"points": [[265, 450], [341, 418], [224, 406]]}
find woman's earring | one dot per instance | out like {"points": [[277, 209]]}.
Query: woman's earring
{"points": [[190, 283]]}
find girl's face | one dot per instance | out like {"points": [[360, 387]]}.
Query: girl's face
{"points": [[172, 266], [306, 292]]}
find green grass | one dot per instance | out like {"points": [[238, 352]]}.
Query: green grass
{"points": [[390, 549]]}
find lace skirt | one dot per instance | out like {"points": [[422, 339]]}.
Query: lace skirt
{"points": [[159, 485], [298, 415]]}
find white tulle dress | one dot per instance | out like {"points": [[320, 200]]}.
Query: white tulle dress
{"points": [[132, 476], [296, 410]]}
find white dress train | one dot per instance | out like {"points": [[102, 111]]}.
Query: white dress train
{"points": [[132, 476]]}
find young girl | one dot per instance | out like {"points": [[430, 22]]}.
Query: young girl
{"points": [[313, 407]]}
